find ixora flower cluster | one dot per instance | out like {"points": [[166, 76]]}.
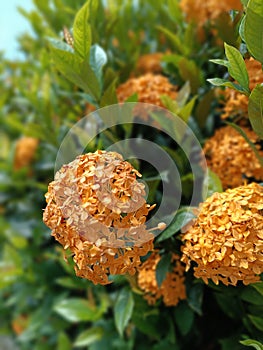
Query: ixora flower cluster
{"points": [[230, 156], [96, 208], [172, 289], [226, 240]]}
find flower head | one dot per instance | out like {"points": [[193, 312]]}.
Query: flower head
{"points": [[96, 208], [231, 158], [172, 288], [149, 63], [25, 151], [226, 240], [150, 88], [202, 11]]}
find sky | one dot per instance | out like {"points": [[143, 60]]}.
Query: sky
{"points": [[12, 23]]}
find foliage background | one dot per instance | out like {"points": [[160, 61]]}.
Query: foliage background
{"points": [[42, 304]]}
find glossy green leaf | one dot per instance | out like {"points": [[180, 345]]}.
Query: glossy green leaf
{"points": [[253, 29], [212, 184], [89, 336], [237, 67], [195, 297], [225, 82], [77, 310], [253, 343], [123, 309], [181, 218], [98, 59], [82, 31], [255, 110], [162, 268]]}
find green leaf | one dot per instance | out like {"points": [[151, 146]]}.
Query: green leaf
{"points": [[63, 342], [244, 2], [189, 71], [89, 336], [181, 218], [258, 286], [123, 309], [195, 297], [257, 321], [220, 62], [175, 40], [76, 71], [255, 110], [250, 342], [184, 317], [98, 59], [162, 268], [109, 97], [225, 82], [212, 184], [77, 310], [251, 295], [82, 31], [253, 29], [237, 67]]}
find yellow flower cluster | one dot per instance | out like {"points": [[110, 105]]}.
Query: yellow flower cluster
{"points": [[226, 240], [201, 11], [149, 88], [25, 151], [172, 289], [149, 63], [96, 208], [235, 103], [231, 158]]}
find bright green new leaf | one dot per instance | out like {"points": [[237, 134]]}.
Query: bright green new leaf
{"points": [[237, 67], [255, 110], [253, 29], [162, 268], [77, 310], [82, 31], [89, 336], [220, 62], [123, 309], [64, 342], [253, 343]]}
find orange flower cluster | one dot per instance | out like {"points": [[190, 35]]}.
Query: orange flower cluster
{"points": [[200, 11], [149, 63], [236, 104], [96, 208], [231, 158], [149, 88], [25, 151], [172, 289], [226, 240]]}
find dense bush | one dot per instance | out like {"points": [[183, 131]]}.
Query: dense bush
{"points": [[201, 287]]}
